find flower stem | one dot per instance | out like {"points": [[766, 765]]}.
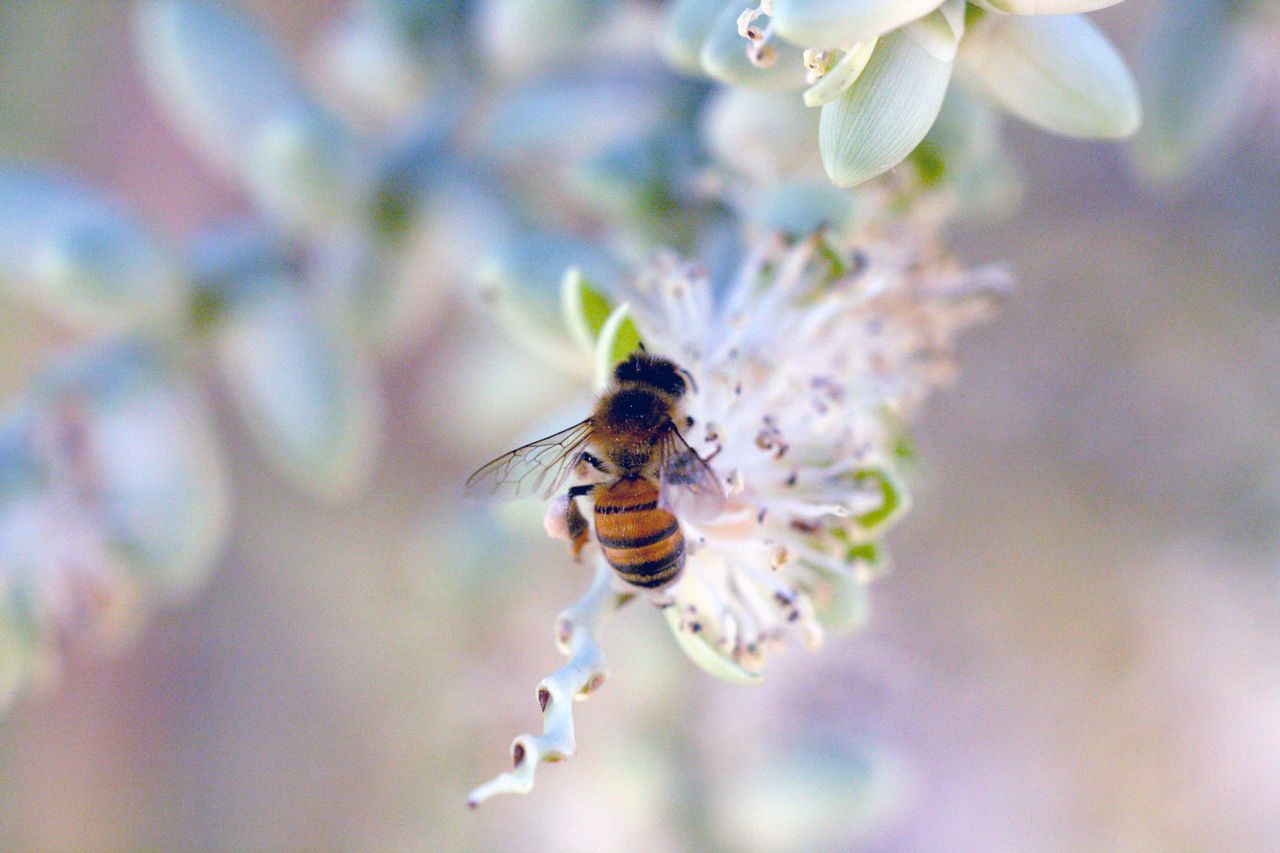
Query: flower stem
{"points": [[576, 633]]}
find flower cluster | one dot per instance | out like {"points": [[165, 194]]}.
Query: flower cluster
{"points": [[112, 498], [369, 205], [124, 491], [440, 144], [806, 364], [880, 69]]}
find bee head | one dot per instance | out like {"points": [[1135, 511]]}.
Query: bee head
{"points": [[645, 369]]}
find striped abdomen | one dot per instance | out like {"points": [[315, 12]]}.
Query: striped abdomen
{"points": [[640, 540]]}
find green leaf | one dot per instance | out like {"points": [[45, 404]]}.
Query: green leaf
{"points": [[596, 309], [618, 338], [866, 551], [930, 164]]}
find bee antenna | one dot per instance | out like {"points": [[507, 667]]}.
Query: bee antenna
{"points": [[641, 345]]}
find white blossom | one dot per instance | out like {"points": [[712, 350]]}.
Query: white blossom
{"points": [[804, 368], [879, 69]]}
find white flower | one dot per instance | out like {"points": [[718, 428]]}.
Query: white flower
{"points": [[803, 369], [879, 69]]}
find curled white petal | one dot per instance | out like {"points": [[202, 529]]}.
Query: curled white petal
{"points": [[573, 308], [578, 630], [520, 37], [842, 75]]}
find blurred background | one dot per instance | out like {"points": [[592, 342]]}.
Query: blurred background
{"points": [[1076, 649]]}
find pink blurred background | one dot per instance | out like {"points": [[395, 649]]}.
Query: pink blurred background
{"points": [[1077, 649]]}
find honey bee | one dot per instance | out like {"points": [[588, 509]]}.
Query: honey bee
{"points": [[631, 445]]}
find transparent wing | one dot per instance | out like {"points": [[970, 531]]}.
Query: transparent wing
{"points": [[539, 467], [687, 483]]}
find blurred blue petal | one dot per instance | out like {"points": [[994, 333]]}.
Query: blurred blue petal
{"points": [[19, 648], [229, 262], [766, 136], [562, 119], [435, 222], [521, 282], [76, 254], [307, 394], [724, 56], [227, 88], [42, 550], [816, 796], [645, 183], [112, 499], [371, 74], [433, 27], [1194, 77], [685, 28], [143, 446], [520, 37], [797, 209]]}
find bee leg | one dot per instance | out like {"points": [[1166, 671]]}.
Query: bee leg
{"points": [[576, 521]]}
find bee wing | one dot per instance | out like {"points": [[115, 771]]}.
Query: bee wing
{"points": [[539, 466], [686, 481]]}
